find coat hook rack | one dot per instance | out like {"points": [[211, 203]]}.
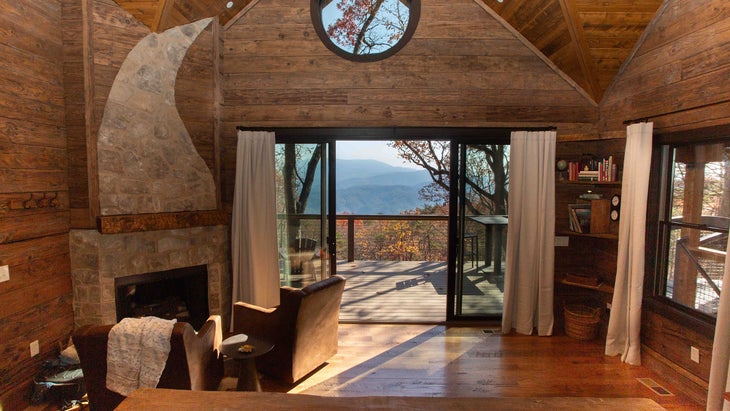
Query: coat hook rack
{"points": [[54, 200], [43, 202], [30, 202]]}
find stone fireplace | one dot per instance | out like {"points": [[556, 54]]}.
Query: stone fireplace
{"points": [[98, 259], [147, 165]]}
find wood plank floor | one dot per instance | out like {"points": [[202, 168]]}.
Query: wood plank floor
{"points": [[441, 361]]}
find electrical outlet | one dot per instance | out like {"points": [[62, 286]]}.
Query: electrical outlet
{"points": [[4, 273], [694, 354], [34, 348]]}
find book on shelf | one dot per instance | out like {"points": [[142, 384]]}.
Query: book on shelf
{"points": [[579, 218], [589, 218], [601, 170]]}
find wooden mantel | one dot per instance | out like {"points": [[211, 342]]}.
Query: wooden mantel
{"points": [[129, 223]]}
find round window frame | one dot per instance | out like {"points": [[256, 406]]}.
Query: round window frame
{"points": [[413, 18]]}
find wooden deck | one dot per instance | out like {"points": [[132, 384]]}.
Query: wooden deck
{"points": [[410, 292]]}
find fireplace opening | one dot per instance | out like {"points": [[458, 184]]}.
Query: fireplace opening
{"points": [[180, 294]]}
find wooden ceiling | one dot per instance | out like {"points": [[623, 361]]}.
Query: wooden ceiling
{"points": [[588, 40]]}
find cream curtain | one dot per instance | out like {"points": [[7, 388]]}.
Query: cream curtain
{"points": [[624, 323], [719, 375], [253, 227], [528, 282]]}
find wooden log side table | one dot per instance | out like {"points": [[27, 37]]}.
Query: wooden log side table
{"points": [[248, 378]]}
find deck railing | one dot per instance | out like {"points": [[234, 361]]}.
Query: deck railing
{"points": [[424, 242]]}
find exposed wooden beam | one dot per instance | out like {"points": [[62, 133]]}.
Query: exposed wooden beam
{"points": [[241, 13], [92, 167], [217, 102], [585, 60], [128, 223], [648, 29], [536, 51], [160, 14]]}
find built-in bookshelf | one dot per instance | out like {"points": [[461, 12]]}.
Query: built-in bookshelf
{"points": [[593, 169], [591, 251]]}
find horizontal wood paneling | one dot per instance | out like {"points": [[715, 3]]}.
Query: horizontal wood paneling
{"points": [[672, 340], [676, 78], [679, 67], [34, 216], [461, 68]]}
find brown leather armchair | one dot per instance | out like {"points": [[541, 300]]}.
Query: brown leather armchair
{"points": [[193, 363], [303, 328]]}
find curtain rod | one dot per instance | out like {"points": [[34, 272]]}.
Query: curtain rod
{"points": [[681, 110], [395, 130]]}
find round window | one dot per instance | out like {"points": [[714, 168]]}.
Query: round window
{"points": [[365, 30]]}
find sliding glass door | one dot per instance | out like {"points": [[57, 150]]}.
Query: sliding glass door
{"points": [[303, 207], [466, 182], [479, 219]]}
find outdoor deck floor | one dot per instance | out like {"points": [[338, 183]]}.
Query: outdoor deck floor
{"points": [[410, 292]]}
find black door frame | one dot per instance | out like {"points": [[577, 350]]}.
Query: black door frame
{"points": [[458, 136]]}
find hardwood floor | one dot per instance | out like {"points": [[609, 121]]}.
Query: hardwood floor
{"points": [[441, 361]]}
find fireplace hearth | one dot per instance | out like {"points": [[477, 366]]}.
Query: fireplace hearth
{"points": [[99, 260], [180, 294]]}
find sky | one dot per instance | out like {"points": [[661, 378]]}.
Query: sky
{"points": [[371, 150]]}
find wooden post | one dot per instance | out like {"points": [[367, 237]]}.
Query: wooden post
{"points": [[350, 239], [685, 274]]}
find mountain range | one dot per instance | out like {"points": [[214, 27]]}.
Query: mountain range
{"points": [[374, 187]]}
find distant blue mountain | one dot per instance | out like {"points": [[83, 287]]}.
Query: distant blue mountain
{"points": [[374, 187], [378, 199], [354, 173]]}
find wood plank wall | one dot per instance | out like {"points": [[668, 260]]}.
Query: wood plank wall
{"points": [[97, 41], [678, 75], [461, 68], [98, 35], [52, 99], [678, 79], [34, 203]]}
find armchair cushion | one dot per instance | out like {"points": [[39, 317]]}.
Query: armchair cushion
{"points": [[193, 362], [303, 328]]}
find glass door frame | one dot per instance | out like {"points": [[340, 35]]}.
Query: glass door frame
{"points": [[328, 197], [457, 136], [457, 217]]}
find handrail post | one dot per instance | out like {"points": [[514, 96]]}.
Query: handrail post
{"points": [[350, 239]]}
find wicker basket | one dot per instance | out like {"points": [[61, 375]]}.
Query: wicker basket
{"points": [[581, 321]]}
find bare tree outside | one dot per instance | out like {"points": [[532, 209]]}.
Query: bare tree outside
{"points": [[367, 26], [299, 164], [487, 172]]}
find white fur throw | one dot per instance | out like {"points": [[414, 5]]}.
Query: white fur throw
{"points": [[136, 353]]}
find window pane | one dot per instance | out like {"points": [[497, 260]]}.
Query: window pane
{"points": [[700, 182], [695, 268], [700, 206]]}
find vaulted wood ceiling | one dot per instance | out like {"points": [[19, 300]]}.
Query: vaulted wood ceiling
{"points": [[588, 40]]}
